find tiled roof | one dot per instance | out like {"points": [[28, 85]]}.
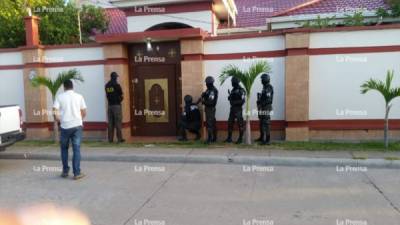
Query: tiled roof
{"points": [[331, 6], [118, 22], [253, 13]]}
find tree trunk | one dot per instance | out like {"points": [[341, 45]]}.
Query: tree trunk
{"points": [[386, 130], [56, 136], [248, 125]]}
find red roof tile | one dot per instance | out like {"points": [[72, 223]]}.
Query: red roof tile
{"points": [[118, 22], [333, 6], [252, 13]]}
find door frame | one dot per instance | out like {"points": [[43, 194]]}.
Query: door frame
{"points": [[133, 75]]}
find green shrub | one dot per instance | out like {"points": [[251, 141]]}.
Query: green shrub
{"points": [[58, 24], [357, 19]]}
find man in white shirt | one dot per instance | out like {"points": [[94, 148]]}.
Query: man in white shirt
{"points": [[70, 109]]}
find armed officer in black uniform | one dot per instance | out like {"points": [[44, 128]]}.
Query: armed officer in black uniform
{"points": [[190, 119], [237, 98], [209, 99], [264, 105], [114, 97]]}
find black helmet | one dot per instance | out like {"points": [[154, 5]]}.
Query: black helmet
{"points": [[210, 80], [114, 75], [265, 77], [188, 99], [235, 80]]}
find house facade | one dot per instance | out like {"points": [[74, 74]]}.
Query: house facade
{"points": [[164, 49]]}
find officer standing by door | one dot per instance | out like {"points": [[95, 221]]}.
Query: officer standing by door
{"points": [[237, 98], [114, 97], [264, 105], [209, 99]]}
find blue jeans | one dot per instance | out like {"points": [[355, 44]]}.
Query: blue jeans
{"points": [[75, 136]]}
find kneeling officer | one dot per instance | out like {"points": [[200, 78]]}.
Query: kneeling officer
{"points": [[190, 119]]}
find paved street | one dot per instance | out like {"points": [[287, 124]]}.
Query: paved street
{"points": [[117, 193]]}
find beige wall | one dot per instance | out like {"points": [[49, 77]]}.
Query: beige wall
{"points": [[192, 71]]}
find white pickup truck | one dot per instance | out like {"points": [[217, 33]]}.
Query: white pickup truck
{"points": [[10, 126]]}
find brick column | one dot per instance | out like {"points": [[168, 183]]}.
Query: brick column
{"points": [[116, 56], [32, 30], [192, 67], [297, 87], [37, 122], [192, 80]]}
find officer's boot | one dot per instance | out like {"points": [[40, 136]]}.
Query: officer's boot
{"points": [[209, 135], [260, 139], [209, 138], [214, 136], [229, 138], [198, 136], [183, 136], [240, 139], [267, 139]]}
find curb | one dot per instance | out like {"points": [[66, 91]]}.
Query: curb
{"points": [[217, 159]]}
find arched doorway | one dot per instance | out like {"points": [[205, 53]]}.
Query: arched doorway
{"points": [[169, 26]]}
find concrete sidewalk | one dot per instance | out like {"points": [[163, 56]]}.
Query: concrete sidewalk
{"points": [[225, 155]]}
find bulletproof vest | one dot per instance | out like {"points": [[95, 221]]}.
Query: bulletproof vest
{"points": [[210, 97], [265, 100], [237, 97], [192, 113], [113, 91]]}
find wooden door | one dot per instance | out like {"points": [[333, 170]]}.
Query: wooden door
{"points": [[155, 104]]}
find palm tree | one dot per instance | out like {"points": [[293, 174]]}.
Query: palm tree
{"points": [[54, 85], [247, 79], [388, 92]]}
